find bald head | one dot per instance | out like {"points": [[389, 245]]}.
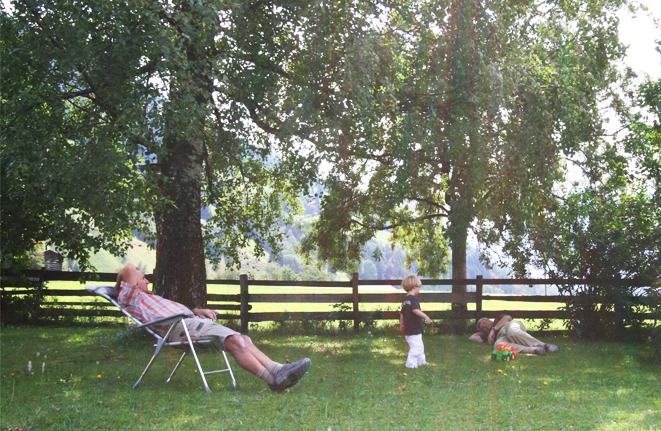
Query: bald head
{"points": [[128, 274]]}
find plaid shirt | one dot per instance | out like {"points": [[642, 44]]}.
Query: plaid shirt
{"points": [[148, 307]]}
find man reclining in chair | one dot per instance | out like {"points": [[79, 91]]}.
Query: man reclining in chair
{"points": [[134, 295]]}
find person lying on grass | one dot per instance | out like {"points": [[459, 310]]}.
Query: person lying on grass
{"points": [[134, 295], [512, 332]]}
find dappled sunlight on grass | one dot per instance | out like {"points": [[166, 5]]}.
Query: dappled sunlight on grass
{"points": [[387, 347], [72, 394], [355, 382], [631, 420]]}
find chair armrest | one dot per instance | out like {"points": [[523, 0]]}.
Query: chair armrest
{"points": [[166, 320]]}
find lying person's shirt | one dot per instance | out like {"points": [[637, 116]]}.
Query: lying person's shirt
{"points": [[148, 307]]}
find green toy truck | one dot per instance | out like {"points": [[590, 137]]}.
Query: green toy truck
{"points": [[503, 352]]}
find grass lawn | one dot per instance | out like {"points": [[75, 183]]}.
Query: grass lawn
{"points": [[356, 382]]}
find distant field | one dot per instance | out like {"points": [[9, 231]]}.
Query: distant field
{"points": [[264, 307]]}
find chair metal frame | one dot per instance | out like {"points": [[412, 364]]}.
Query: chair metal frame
{"points": [[108, 293]]}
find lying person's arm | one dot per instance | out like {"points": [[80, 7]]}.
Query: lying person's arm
{"points": [[497, 327]]}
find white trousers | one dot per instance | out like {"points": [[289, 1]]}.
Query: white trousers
{"points": [[416, 351]]}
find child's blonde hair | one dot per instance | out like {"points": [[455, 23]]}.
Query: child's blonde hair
{"points": [[411, 282]]}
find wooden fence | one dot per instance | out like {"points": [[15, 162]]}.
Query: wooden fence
{"points": [[238, 306]]}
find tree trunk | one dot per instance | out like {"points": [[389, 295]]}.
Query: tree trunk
{"points": [[459, 271], [180, 266], [180, 263], [459, 219]]}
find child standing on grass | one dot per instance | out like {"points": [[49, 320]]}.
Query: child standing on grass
{"points": [[410, 319]]}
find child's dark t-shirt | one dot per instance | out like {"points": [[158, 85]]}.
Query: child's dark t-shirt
{"points": [[412, 322]]}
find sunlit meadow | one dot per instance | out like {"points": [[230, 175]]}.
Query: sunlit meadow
{"points": [[81, 378]]}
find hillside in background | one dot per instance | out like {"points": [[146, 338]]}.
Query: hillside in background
{"points": [[288, 265], [140, 255]]}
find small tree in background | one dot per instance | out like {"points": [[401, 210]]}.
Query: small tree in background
{"points": [[608, 230]]}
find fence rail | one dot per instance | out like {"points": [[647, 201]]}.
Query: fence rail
{"points": [[239, 306]]}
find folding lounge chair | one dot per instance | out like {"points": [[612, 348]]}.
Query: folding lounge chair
{"points": [[108, 292]]}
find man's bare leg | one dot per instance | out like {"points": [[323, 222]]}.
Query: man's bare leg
{"points": [[246, 354], [279, 377]]}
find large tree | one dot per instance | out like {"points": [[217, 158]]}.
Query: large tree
{"points": [[471, 108], [140, 112]]}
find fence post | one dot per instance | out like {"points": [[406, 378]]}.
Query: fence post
{"points": [[478, 296], [618, 308], [42, 277], [39, 295], [243, 281], [354, 294]]}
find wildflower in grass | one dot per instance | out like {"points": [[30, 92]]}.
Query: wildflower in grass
{"points": [[546, 383], [99, 376], [505, 374], [500, 371], [405, 374]]}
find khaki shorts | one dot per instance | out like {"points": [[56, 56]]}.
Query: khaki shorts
{"points": [[202, 329]]}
